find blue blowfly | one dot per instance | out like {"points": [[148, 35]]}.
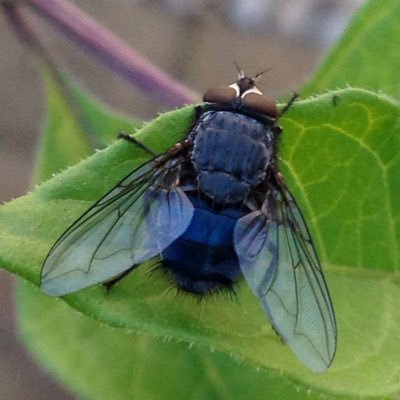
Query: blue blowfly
{"points": [[214, 208]]}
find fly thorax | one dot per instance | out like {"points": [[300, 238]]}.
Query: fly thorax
{"points": [[231, 153]]}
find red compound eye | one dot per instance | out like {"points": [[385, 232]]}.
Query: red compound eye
{"points": [[223, 94], [261, 104]]}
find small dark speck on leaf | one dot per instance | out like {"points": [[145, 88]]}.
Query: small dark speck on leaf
{"points": [[335, 100]]}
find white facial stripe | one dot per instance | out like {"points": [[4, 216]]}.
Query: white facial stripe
{"points": [[236, 88], [252, 90]]}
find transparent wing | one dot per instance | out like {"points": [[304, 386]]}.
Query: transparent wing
{"points": [[132, 223], [279, 262]]}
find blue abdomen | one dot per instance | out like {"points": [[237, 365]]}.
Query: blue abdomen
{"points": [[231, 153], [203, 258]]}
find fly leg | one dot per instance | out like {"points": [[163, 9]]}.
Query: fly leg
{"points": [[109, 284], [289, 103], [137, 142]]}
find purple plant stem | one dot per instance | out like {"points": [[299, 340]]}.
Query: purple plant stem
{"points": [[114, 52]]}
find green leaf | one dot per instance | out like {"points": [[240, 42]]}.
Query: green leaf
{"points": [[103, 363], [58, 202], [341, 156], [74, 125], [61, 131], [367, 55], [99, 123], [341, 161]]}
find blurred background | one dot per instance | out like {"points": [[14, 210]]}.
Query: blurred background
{"points": [[196, 41]]}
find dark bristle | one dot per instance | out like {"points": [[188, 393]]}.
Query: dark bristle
{"points": [[224, 287], [239, 70], [260, 74]]}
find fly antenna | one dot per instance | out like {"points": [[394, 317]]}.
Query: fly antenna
{"points": [[240, 71], [259, 74]]}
